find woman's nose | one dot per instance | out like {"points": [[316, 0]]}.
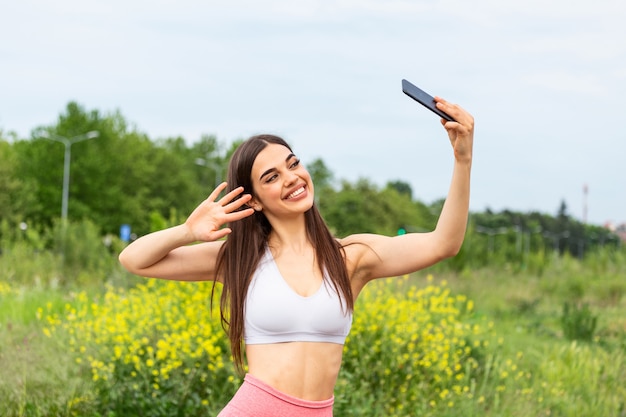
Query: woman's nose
{"points": [[290, 178]]}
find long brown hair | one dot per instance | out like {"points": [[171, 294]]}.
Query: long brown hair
{"points": [[240, 255]]}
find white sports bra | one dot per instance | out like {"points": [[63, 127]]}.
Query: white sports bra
{"points": [[275, 313]]}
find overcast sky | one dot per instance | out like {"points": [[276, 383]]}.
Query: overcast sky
{"points": [[545, 81]]}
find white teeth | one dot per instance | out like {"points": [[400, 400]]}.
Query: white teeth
{"points": [[296, 193]]}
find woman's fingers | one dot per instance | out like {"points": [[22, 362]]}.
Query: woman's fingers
{"points": [[460, 132], [457, 112], [231, 196], [238, 215], [217, 191], [238, 203], [229, 204]]}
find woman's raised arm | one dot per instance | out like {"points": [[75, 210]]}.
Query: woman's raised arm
{"points": [[382, 256], [174, 253]]}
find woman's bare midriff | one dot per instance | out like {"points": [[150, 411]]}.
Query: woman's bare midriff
{"points": [[305, 370]]}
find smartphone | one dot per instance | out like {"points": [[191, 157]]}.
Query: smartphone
{"points": [[424, 99]]}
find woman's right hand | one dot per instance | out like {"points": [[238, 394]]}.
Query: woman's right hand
{"points": [[206, 221]]}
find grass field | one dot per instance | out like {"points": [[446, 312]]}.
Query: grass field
{"points": [[557, 347]]}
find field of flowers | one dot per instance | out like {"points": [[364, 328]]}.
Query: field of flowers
{"points": [[418, 347], [158, 350]]}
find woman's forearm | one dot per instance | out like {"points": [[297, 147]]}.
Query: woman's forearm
{"points": [[452, 222], [154, 247]]}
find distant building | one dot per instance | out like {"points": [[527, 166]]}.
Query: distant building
{"points": [[619, 230]]}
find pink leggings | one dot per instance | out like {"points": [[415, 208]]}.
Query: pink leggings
{"points": [[257, 399]]}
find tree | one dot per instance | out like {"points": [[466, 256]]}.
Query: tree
{"points": [[562, 212], [322, 176], [401, 187], [210, 163], [16, 194], [363, 208], [175, 183], [118, 178]]}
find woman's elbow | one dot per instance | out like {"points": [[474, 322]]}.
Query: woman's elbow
{"points": [[127, 262], [453, 252], [450, 250]]}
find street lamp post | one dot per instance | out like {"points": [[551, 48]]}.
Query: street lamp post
{"points": [[68, 142]]}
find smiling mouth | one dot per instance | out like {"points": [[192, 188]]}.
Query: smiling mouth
{"points": [[295, 193]]}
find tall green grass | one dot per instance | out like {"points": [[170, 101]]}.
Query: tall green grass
{"points": [[527, 363]]}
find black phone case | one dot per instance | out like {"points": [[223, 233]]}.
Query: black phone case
{"points": [[424, 99]]}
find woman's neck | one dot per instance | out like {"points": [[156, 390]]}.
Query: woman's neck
{"points": [[289, 236]]}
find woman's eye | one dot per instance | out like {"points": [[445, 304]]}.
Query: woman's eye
{"points": [[271, 178], [295, 163]]}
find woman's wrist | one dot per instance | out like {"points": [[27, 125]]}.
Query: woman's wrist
{"points": [[183, 234], [465, 161]]}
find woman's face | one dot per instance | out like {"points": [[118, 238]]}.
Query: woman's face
{"points": [[282, 186]]}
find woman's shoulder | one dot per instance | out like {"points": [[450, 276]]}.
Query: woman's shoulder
{"points": [[362, 240], [358, 245]]}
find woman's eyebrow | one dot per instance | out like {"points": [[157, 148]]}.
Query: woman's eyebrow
{"points": [[269, 171]]}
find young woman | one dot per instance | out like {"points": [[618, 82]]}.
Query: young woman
{"points": [[289, 285]]}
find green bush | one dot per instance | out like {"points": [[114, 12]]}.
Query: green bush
{"points": [[158, 350], [578, 322], [410, 349], [69, 256], [566, 374], [83, 252], [153, 350]]}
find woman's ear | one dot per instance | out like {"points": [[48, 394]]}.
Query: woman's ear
{"points": [[255, 205]]}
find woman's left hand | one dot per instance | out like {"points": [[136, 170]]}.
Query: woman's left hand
{"points": [[461, 132]]}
